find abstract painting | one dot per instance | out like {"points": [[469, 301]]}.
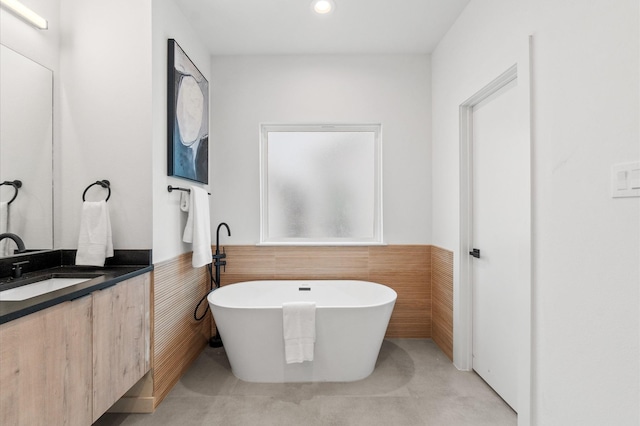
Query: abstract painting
{"points": [[187, 118]]}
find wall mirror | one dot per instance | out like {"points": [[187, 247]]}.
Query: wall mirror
{"points": [[26, 152]]}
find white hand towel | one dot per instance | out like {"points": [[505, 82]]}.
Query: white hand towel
{"points": [[6, 245], [299, 329], [198, 227], [94, 242]]}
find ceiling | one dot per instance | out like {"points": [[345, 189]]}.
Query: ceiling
{"points": [[289, 27]]}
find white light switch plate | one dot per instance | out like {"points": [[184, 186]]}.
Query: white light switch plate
{"points": [[625, 180]]}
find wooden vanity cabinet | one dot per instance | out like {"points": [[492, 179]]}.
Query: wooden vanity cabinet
{"points": [[45, 366], [121, 339], [69, 363]]}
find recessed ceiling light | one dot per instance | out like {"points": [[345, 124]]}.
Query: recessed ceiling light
{"points": [[323, 7]]}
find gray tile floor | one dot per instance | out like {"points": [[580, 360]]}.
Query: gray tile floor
{"points": [[414, 383]]}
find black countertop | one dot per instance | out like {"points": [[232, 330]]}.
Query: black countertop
{"points": [[126, 264]]}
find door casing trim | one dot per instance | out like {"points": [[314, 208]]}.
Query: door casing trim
{"points": [[463, 295]]}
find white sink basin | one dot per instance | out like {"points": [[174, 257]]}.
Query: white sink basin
{"points": [[36, 289]]}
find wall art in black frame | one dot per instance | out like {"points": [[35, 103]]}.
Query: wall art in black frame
{"points": [[187, 117]]}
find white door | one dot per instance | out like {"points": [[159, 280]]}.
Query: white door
{"points": [[495, 225]]}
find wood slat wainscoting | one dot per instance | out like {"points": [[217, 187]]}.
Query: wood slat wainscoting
{"points": [[405, 268], [442, 289], [178, 338]]}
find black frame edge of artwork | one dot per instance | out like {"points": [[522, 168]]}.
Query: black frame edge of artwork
{"points": [[187, 147]]}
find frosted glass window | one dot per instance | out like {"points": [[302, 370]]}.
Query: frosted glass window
{"points": [[321, 184]]}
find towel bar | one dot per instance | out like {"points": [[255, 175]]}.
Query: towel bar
{"points": [[177, 188]]}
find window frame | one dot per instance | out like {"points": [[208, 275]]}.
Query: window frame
{"points": [[376, 239]]}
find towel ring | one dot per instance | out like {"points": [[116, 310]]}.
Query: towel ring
{"points": [[16, 185], [103, 183]]}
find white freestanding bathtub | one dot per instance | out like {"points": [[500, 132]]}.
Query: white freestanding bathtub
{"points": [[351, 320]]}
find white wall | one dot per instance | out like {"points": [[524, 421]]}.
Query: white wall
{"points": [[168, 219], [110, 112], [586, 267], [392, 90], [105, 117]]}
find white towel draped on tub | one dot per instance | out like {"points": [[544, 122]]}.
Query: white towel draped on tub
{"points": [[94, 242], [299, 327], [198, 227]]}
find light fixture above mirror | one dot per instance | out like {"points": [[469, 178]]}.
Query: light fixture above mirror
{"points": [[23, 12]]}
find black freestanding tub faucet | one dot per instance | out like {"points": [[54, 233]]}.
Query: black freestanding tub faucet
{"points": [[216, 341], [217, 258]]}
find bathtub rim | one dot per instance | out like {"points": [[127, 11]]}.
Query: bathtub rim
{"points": [[360, 306]]}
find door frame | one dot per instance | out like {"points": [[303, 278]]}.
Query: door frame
{"points": [[464, 319]]}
